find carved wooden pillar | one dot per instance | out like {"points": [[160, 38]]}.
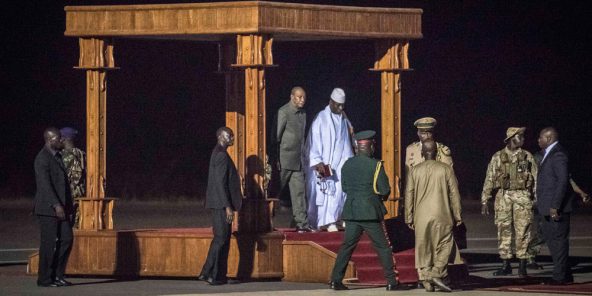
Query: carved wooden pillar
{"points": [[253, 55], [235, 107], [96, 57], [391, 59]]}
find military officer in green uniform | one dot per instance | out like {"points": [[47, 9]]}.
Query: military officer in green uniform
{"points": [[425, 131], [365, 182], [512, 172]]}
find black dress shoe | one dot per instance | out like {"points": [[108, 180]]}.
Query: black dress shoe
{"points": [[338, 286], [62, 282], [202, 277], [392, 287], [52, 284], [214, 282]]}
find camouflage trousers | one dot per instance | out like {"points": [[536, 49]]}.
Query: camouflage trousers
{"points": [[513, 218]]}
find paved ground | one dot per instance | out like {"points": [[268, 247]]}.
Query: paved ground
{"points": [[19, 235]]}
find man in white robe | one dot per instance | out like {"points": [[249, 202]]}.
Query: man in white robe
{"points": [[328, 146]]}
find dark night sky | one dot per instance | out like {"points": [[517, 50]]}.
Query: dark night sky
{"points": [[482, 66]]}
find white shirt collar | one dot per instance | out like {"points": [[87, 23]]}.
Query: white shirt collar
{"points": [[549, 149]]}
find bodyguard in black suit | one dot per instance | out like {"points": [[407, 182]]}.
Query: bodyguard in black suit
{"points": [[224, 197], [554, 203], [53, 207]]}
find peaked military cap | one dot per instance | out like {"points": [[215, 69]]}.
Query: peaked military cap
{"points": [[512, 131], [366, 135], [425, 123]]}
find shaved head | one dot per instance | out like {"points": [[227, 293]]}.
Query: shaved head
{"points": [[222, 130], [547, 136], [225, 137], [428, 149], [296, 88], [53, 138]]}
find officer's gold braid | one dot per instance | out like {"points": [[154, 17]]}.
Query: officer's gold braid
{"points": [[376, 173]]}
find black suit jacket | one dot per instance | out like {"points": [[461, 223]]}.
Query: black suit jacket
{"points": [[223, 182], [52, 184], [553, 190]]}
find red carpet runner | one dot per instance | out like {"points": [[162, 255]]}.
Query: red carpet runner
{"points": [[367, 265]]}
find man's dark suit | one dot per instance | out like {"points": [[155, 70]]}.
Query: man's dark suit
{"points": [[56, 235], [223, 191], [553, 192]]}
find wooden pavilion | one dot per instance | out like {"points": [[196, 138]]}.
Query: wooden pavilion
{"points": [[245, 32]]}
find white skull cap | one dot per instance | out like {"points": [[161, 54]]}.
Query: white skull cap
{"points": [[338, 95]]}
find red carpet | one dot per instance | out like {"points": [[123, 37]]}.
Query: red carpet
{"points": [[369, 270], [367, 264]]}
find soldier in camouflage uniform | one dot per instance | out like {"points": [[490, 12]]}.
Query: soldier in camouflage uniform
{"points": [[75, 163], [512, 173], [425, 131]]}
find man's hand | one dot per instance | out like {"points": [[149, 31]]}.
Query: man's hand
{"points": [[229, 215], [585, 197], [320, 168], [59, 210], [554, 214], [485, 209], [458, 223], [411, 226]]}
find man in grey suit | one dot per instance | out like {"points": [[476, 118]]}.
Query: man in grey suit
{"points": [[554, 202], [53, 208], [291, 126]]}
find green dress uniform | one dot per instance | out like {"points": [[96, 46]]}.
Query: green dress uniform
{"points": [[365, 182]]}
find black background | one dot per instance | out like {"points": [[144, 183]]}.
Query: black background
{"points": [[481, 67]]}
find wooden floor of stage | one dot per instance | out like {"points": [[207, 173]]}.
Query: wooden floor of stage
{"points": [[181, 252]]}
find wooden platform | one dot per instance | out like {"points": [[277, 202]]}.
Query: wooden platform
{"points": [[181, 252], [168, 252]]}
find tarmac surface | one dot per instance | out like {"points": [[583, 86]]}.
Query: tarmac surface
{"points": [[19, 233]]}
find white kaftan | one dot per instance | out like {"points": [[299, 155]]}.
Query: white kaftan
{"points": [[328, 142]]}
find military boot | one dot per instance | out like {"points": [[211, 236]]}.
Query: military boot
{"points": [[506, 269], [522, 268]]}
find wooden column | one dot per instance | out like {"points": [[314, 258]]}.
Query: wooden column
{"points": [[96, 57], [235, 107], [391, 59], [253, 55]]}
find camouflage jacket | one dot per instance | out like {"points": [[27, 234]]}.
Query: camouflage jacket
{"points": [[506, 172], [75, 163]]}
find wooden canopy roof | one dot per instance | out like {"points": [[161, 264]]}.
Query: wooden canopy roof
{"points": [[223, 20]]}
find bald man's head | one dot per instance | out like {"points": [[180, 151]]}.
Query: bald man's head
{"points": [[547, 136], [53, 138], [225, 137], [428, 149]]}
